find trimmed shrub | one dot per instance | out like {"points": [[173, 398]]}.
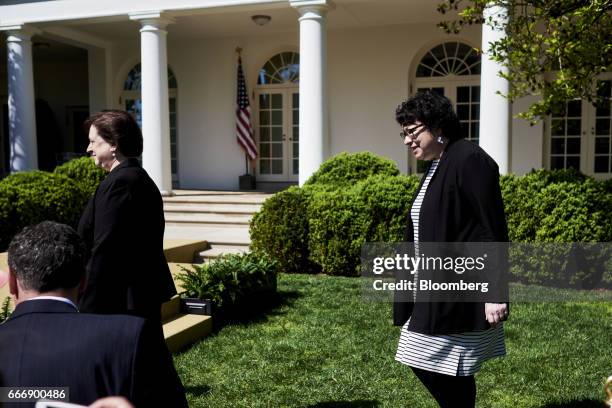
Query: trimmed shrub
{"points": [[341, 221], [346, 169], [231, 279], [84, 172], [280, 229], [31, 197]]}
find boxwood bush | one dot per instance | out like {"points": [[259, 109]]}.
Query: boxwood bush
{"points": [[84, 172], [28, 198], [346, 169], [280, 229], [231, 279]]}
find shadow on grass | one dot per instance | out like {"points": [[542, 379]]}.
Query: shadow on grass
{"points": [[256, 311], [198, 390], [585, 403], [346, 404]]}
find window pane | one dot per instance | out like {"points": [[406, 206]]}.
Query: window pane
{"points": [[277, 167], [264, 150], [602, 145], [475, 130], [296, 167], [277, 101], [463, 94], [264, 134], [264, 166], [574, 109], [465, 130], [573, 145], [277, 150], [573, 162], [557, 162], [264, 118], [296, 150], [264, 101], [277, 134], [296, 133], [557, 145], [277, 117], [476, 111], [602, 164], [573, 127], [296, 100], [463, 111], [602, 127], [475, 94], [557, 127], [296, 117]]}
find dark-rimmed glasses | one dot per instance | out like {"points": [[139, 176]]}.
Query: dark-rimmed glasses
{"points": [[412, 133]]}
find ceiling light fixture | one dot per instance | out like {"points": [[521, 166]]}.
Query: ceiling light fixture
{"points": [[261, 19]]}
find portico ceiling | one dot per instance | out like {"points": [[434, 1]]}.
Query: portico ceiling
{"points": [[236, 21]]}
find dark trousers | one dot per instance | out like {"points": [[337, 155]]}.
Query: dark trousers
{"points": [[449, 391]]}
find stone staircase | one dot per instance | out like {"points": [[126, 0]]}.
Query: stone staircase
{"points": [[219, 217]]}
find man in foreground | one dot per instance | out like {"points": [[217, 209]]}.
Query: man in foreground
{"points": [[47, 343]]}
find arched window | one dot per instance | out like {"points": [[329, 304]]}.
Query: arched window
{"points": [[283, 68], [451, 58], [132, 102]]}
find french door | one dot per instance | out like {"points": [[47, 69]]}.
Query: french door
{"points": [[277, 133]]}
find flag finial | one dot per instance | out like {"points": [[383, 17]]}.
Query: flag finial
{"points": [[238, 50]]}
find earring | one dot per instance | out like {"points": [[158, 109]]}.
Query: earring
{"points": [[440, 140], [113, 154]]}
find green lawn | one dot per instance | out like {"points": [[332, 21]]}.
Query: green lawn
{"points": [[322, 345]]}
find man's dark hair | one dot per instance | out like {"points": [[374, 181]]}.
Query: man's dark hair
{"points": [[433, 110], [119, 129], [47, 256]]}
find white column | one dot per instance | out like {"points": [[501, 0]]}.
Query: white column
{"points": [[155, 110], [21, 108], [495, 110], [314, 131]]}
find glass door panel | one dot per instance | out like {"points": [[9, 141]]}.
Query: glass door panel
{"points": [[603, 130], [565, 140], [271, 136], [295, 137]]}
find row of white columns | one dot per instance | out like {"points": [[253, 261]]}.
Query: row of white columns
{"points": [[314, 131]]}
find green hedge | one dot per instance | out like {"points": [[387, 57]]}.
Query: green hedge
{"points": [[84, 172], [231, 279], [30, 197], [346, 169]]}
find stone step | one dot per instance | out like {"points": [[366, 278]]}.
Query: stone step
{"points": [[215, 208], [218, 199], [214, 233], [198, 218], [183, 250], [171, 308], [217, 250], [185, 329]]}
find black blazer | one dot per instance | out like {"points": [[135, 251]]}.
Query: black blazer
{"points": [[48, 343], [123, 226], [463, 203]]}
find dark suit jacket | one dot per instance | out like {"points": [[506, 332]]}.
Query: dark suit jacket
{"points": [[463, 203], [123, 225], [48, 343]]}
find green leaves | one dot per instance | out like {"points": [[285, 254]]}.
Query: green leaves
{"points": [[554, 49]]}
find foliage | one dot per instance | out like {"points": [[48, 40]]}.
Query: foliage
{"points": [[84, 172], [231, 278], [280, 229], [346, 169], [341, 221], [28, 198], [5, 309], [553, 49]]}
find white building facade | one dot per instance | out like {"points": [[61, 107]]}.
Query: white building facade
{"points": [[323, 76]]}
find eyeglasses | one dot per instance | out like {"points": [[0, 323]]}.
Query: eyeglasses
{"points": [[412, 133]]}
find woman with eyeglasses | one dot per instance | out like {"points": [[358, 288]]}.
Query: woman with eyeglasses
{"points": [[459, 200]]}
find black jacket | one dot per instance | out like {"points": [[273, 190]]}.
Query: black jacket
{"points": [[47, 343], [123, 225], [463, 203]]}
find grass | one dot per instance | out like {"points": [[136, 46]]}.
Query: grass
{"points": [[323, 345]]}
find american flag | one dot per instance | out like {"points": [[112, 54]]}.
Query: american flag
{"points": [[244, 130]]}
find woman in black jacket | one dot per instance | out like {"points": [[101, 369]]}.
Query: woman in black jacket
{"points": [[123, 225], [459, 200]]}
